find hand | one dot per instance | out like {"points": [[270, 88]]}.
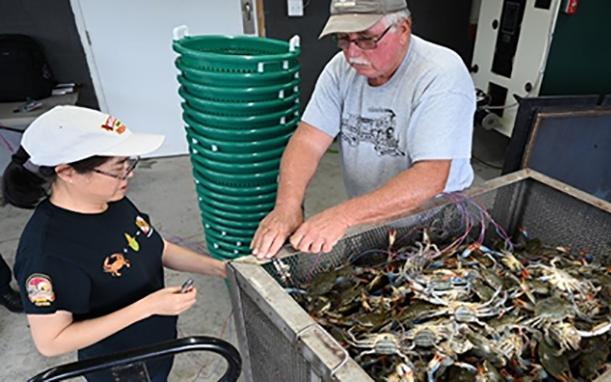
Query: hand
{"points": [[321, 232], [169, 301], [273, 231]]}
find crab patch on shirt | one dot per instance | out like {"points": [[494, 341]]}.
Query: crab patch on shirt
{"points": [[114, 264], [144, 226], [40, 289]]}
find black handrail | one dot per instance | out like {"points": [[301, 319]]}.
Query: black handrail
{"points": [[163, 349]]}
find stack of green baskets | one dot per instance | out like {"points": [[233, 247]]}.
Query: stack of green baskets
{"points": [[241, 106]]}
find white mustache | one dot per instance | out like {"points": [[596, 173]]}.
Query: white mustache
{"points": [[359, 61]]}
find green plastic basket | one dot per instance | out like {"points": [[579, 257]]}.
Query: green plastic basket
{"points": [[244, 134], [238, 108], [241, 54], [217, 145], [227, 94], [241, 208], [227, 248], [238, 250], [238, 158], [229, 239], [231, 231], [205, 164], [249, 217], [238, 201], [237, 80], [240, 122], [241, 191], [236, 180], [222, 254], [241, 224]]}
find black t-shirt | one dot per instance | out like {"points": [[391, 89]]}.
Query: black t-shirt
{"points": [[92, 265]]}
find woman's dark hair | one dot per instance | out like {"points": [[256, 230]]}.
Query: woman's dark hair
{"points": [[25, 188]]}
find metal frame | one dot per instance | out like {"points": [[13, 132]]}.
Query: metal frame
{"points": [[561, 114], [315, 344], [326, 358]]}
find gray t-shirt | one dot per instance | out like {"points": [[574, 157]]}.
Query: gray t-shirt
{"points": [[424, 112]]}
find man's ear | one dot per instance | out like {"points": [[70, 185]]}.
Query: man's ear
{"points": [[406, 29], [65, 172]]}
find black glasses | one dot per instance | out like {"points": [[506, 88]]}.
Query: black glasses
{"points": [[365, 43], [131, 165]]}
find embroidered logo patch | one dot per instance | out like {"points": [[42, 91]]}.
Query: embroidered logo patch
{"points": [[132, 242], [40, 289], [114, 263], [144, 226], [113, 124]]}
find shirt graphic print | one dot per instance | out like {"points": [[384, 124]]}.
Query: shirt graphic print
{"points": [[380, 131]]}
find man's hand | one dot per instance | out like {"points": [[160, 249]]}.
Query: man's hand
{"points": [[321, 232], [273, 231]]}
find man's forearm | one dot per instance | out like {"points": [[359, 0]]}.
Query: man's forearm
{"points": [[298, 166], [400, 195]]}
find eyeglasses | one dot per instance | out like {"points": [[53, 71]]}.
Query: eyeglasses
{"points": [[365, 43], [131, 165]]}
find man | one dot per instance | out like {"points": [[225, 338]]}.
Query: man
{"points": [[402, 109], [8, 297]]}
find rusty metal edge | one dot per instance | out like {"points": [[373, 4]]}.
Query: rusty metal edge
{"points": [[288, 317], [239, 319]]}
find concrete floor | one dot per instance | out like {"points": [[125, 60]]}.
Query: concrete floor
{"points": [[164, 189]]}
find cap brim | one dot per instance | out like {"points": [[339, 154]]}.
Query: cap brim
{"points": [[349, 23], [135, 145]]}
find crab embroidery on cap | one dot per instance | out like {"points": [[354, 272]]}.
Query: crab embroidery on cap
{"points": [[113, 124]]}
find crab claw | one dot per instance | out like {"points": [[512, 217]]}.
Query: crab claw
{"points": [[392, 237], [470, 249]]}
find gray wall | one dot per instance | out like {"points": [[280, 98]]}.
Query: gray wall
{"points": [[51, 23]]}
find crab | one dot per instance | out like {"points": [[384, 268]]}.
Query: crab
{"points": [[428, 335], [404, 372], [565, 334], [283, 269], [511, 262], [512, 345], [550, 311], [441, 361], [448, 286], [569, 338], [563, 280], [469, 312], [383, 344]]}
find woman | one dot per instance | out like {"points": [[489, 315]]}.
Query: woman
{"points": [[89, 263]]}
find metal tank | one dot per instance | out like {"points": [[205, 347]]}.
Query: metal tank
{"points": [[280, 342]]}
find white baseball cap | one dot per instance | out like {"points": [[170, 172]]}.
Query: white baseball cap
{"points": [[67, 134]]}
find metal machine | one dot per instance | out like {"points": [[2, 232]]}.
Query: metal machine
{"points": [[511, 50], [530, 48]]}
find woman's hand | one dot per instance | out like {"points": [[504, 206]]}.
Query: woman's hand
{"points": [[169, 301]]}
